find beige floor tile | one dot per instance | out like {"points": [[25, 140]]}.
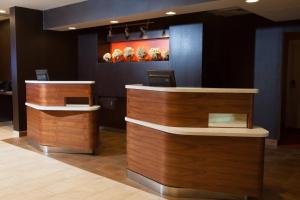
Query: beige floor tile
{"points": [[26, 175], [6, 131]]}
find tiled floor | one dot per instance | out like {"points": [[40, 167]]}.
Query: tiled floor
{"points": [[6, 131], [27, 175], [282, 166]]}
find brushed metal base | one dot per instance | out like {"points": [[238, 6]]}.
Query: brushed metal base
{"points": [[164, 190], [50, 149]]}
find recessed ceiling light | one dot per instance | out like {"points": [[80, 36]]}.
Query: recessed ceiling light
{"points": [[252, 1], [171, 13], [114, 21], [2, 11], [72, 28]]}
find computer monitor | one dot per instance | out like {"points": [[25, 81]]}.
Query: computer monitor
{"points": [[42, 75], [161, 78]]}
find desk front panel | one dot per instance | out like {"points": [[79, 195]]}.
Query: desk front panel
{"points": [[66, 129], [56, 94], [180, 109], [232, 165]]}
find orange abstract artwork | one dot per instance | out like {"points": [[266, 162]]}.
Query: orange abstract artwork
{"points": [[162, 44]]}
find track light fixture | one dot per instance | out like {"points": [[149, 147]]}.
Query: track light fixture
{"points": [[126, 32], [147, 24], [164, 33], [110, 32], [143, 27], [252, 1], [143, 32]]}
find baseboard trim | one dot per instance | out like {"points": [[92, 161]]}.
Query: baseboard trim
{"points": [[185, 193], [271, 143], [20, 133]]}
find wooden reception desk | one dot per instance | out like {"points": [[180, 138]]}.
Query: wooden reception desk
{"points": [[195, 141], [61, 116]]}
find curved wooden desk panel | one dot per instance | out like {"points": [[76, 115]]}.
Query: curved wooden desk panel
{"points": [[54, 123], [171, 145], [219, 164], [54, 94], [185, 109], [73, 130]]}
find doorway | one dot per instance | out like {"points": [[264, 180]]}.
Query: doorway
{"points": [[290, 125]]}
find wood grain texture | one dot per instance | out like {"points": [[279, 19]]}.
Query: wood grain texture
{"points": [[56, 94], [185, 109], [71, 129], [220, 164]]}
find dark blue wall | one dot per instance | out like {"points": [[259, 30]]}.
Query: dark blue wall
{"points": [[186, 42], [87, 56], [268, 73]]}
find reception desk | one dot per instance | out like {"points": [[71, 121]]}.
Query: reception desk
{"points": [[195, 141], [61, 116]]}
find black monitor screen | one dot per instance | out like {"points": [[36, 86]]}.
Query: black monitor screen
{"points": [[42, 75], [161, 78]]}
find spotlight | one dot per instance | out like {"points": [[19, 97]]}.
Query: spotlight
{"points": [[252, 1], [126, 32], [114, 21], [2, 11], [171, 13], [143, 32]]}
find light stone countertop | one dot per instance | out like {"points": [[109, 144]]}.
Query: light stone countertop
{"points": [[193, 90], [70, 107], [59, 82], [227, 132]]}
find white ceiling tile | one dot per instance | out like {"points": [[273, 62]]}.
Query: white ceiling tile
{"points": [[36, 4]]}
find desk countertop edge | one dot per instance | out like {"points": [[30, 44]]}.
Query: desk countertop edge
{"points": [[63, 108], [59, 82], [193, 89], [226, 132]]}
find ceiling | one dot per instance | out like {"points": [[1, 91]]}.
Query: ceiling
{"points": [[275, 10], [36, 4]]}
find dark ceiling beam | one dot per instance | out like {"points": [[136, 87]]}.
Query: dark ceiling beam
{"points": [[92, 11]]}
